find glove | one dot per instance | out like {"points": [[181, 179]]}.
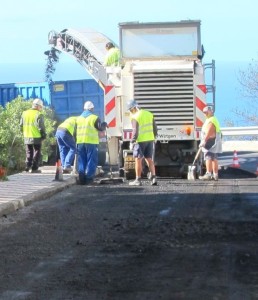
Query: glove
{"points": [[202, 144], [131, 146], [104, 124]]}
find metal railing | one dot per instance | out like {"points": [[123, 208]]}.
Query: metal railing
{"points": [[239, 131]]}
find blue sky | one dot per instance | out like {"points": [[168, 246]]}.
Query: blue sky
{"points": [[228, 30]]}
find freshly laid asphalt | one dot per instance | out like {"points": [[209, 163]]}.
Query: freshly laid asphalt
{"points": [[21, 189]]}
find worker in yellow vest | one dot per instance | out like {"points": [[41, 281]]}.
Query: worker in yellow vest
{"points": [[65, 138], [87, 139], [113, 55], [33, 128], [211, 144], [143, 141]]}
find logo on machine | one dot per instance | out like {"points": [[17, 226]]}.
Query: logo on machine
{"points": [[166, 136]]}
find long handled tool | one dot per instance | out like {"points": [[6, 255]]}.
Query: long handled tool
{"points": [[111, 179], [192, 168], [59, 169]]}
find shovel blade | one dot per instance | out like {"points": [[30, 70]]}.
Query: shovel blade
{"points": [[191, 175]]}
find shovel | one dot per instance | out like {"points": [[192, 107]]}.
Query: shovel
{"points": [[191, 175], [111, 179]]}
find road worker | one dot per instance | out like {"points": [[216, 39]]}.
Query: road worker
{"points": [[143, 141], [87, 139], [211, 144], [66, 143], [33, 128], [113, 55]]}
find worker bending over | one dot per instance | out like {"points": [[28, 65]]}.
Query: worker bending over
{"points": [[87, 139], [66, 143]]}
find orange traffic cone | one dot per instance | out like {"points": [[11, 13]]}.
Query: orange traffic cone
{"points": [[59, 171], [235, 161]]}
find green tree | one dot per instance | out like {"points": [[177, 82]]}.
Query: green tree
{"points": [[12, 148]]}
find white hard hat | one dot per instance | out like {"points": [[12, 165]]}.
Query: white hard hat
{"points": [[37, 102], [88, 105]]}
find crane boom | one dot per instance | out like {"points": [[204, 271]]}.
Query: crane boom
{"points": [[86, 45]]}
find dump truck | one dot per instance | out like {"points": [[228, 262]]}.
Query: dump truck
{"points": [[161, 67]]}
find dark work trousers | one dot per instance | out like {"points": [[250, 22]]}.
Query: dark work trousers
{"points": [[33, 153]]}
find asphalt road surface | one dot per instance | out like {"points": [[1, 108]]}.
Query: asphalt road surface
{"points": [[179, 240]]}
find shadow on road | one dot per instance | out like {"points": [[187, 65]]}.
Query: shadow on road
{"points": [[235, 173]]}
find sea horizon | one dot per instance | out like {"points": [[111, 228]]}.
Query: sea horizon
{"points": [[228, 96]]}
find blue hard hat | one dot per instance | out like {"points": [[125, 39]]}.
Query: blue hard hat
{"points": [[131, 104]]}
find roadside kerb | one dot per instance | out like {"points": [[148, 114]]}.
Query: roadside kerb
{"points": [[8, 206]]}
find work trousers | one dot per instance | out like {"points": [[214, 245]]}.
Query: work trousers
{"points": [[33, 153], [67, 147], [87, 161]]}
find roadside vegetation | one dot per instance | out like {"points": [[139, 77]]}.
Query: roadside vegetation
{"points": [[12, 149], [248, 80], [248, 115]]}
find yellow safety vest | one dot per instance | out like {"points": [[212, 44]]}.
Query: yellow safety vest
{"points": [[112, 57], [30, 129], [145, 121], [69, 124], [86, 132], [212, 120]]}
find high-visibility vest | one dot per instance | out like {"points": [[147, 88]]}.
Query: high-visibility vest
{"points": [[217, 147], [86, 132], [212, 120], [30, 129], [112, 57], [215, 122], [145, 121], [69, 124]]}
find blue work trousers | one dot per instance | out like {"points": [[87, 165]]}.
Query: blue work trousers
{"points": [[87, 161], [67, 147]]}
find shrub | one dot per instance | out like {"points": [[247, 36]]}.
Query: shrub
{"points": [[12, 148]]}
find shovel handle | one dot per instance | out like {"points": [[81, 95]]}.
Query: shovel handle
{"points": [[197, 155]]}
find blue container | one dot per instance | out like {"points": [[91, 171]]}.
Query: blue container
{"points": [[68, 97], [30, 90], [65, 97]]}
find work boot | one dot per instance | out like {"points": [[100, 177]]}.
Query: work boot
{"points": [[35, 171], [67, 170], [136, 182], [154, 180], [27, 167], [206, 176], [89, 180], [215, 177], [81, 180]]}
